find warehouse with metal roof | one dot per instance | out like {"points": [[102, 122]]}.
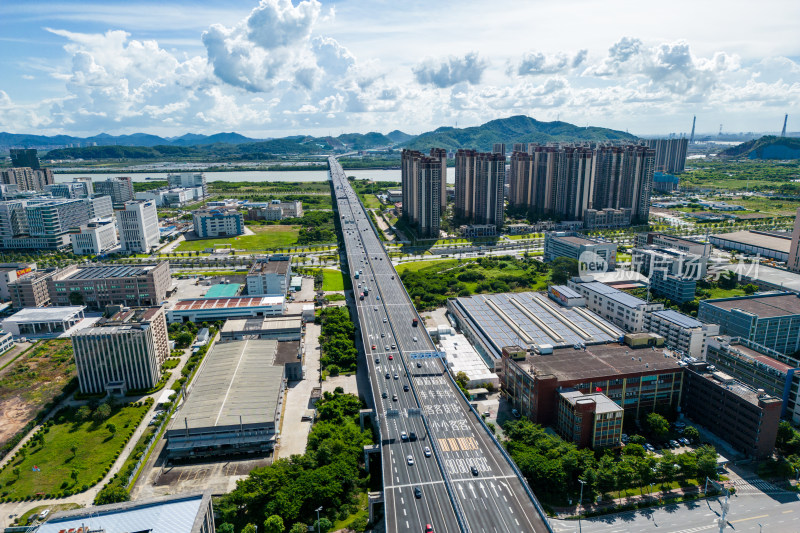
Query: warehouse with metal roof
{"points": [[233, 404]]}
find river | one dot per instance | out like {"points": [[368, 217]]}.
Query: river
{"points": [[257, 175]]}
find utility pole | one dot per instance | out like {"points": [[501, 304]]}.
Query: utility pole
{"points": [[318, 526], [580, 505]]}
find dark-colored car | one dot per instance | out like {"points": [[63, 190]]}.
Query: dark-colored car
{"points": [[474, 470], [417, 492], [412, 436], [405, 388]]}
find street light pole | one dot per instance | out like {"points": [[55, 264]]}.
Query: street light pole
{"points": [[318, 526], [580, 505]]}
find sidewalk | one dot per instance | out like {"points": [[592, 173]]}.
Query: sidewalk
{"points": [[655, 498]]}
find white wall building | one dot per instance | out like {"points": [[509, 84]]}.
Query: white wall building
{"points": [[681, 332], [96, 237], [462, 357], [620, 308], [138, 226], [269, 277]]}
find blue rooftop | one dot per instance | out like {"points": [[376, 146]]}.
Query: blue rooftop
{"points": [[614, 294], [678, 318]]}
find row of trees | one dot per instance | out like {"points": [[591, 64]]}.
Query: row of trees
{"points": [[553, 466], [337, 341], [328, 475]]}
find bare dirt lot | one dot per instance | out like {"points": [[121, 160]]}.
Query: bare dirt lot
{"points": [[32, 381]]}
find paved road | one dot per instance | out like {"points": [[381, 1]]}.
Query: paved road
{"points": [[421, 398], [773, 512]]}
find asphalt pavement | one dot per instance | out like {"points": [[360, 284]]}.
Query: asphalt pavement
{"points": [[465, 481]]}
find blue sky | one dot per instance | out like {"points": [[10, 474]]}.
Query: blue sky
{"points": [[278, 67]]}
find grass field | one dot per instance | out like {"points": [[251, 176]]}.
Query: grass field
{"points": [[371, 201], [37, 376], [419, 265], [96, 448], [265, 238], [334, 280], [725, 293]]}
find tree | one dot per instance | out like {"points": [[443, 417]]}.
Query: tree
{"points": [[183, 339], [84, 412], [299, 527], [562, 269], [249, 528], [226, 527], [112, 495], [273, 524], [323, 525], [637, 439], [102, 412], [111, 428], [693, 434], [16, 471], [750, 288], [74, 474], [657, 425], [73, 449]]}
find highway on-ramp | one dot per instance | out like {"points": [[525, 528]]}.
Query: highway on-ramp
{"points": [[441, 465]]}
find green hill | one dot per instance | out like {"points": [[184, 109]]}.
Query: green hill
{"points": [[517, 129], [767, 147]]}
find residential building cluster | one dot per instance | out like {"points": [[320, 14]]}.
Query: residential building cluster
{"points": [[424, 180], [670, 154]]}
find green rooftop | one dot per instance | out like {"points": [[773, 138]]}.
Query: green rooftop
{"points": [[222, 290]]}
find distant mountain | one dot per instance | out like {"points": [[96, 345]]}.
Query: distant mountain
{"points": [[399, 137], [516, 129], [358, 141], [767, 147], [200, 140], [42, 142]]}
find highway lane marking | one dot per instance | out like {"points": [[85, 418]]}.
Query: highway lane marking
{"points": [[399, 487], [750, 518], [786, 512]]}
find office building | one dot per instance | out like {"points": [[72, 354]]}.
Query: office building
{"points": [[589, 420], [269, 277], [108, 284], [288, 328], [769, 319], [30, 289], [564, 181], [138, 226], [188, 180], [793, 263], [640, 381], [212, 309], [119, 188], [767, 244], [11, 272], [662, 240], [670, 154], [233, 405], [422, 192], [607, 218], [275, 210], [682, 333], [618, 307], [43, 322], [27, 179], [217, 222], [95, 237], [24, 157], [745, 417], [41, 223], [677, 289], [527, 321], [577, 246], [760, 368], [122, 353], [180, 513], [649, 259], [73, 189], [99, 206]]}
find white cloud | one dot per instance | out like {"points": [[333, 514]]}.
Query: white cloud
{"points": [[534, 63], [452, 71]]}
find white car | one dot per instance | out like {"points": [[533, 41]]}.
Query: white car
{"points": [[410, 460], [427, 451]]}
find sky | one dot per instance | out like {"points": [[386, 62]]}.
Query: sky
{"points": [[272, 68]]}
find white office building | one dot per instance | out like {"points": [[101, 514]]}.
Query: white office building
{"points": [[188, 180], [681, 332], [138, 226], [95, 237], [269, 277], [618, 307]]}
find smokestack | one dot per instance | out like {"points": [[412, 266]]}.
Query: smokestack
{"points": [[691, 137], [785, 118]]}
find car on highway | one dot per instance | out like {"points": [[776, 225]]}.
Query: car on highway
{"points": [[374, 347], [427, 451], [410, 460], [419, 365], [415, 339], [417, 493], [384, 320], [428, 528], [403, 436], [386, 347], [394, 397], [384, 395], [391, 357], [412, 436], [473, 470], [375, 308], [383, 334], [394, 346], [396, 376], [388, 376], [377, 297], [405, 388], [377, 360]]}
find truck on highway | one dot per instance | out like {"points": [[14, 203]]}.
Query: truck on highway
{"points": [[357, 274], [414, 322]]}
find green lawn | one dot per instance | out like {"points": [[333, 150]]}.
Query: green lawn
{"points": [[725, 293], [419, 265], [334, 280], [96, 448], [371, 201], [265, 238]]}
